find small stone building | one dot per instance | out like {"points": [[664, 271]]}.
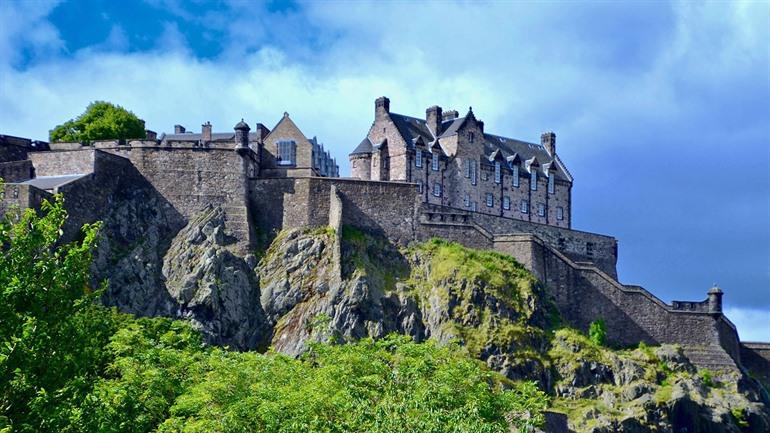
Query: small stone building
{"points": [[456, 163]]}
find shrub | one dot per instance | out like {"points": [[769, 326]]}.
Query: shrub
{"points": [[597, 332]]}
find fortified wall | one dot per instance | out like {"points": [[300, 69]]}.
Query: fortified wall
{"points": [[577, 267]]}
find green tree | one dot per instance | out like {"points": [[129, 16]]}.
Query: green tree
{"points": [[101, 121], [597, 332], [51, 331]]}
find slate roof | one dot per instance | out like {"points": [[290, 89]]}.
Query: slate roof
{"points": [[412, 127], [48, 183], [364, 147], [450, 127], [525, 151]]}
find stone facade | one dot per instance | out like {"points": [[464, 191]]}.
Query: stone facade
{"points": [[456, 163]]}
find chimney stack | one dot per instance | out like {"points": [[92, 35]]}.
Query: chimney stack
{"points": [[548, 140], [179, 129], [450, 115], [262, 131], [433, 117], [206, 132], [381, 107]]}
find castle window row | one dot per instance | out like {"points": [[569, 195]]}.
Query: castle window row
{"points": [[470, 169]]}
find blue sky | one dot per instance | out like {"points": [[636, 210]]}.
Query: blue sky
{"points": [[662, 110]]}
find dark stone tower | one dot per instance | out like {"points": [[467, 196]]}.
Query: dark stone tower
{"points": [[241, 135]]}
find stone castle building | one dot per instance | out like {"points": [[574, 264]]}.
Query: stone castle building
{"points": [[413, 179], [456, 163]]}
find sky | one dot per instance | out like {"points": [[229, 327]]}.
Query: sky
{"points": [[661, 110]]}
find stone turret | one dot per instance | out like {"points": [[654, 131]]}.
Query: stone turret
{"points": [[241, 136], [548, 140], [715, 300]]}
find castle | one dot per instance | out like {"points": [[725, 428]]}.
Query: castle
{"points": [[413, 179]]}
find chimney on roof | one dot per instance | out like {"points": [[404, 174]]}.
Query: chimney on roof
{"points": [[548, 140], [262, 131], [450, 115], [150, 135], [481, 125], [433, 118], [179, 129], [381, 107], [206, 132]]}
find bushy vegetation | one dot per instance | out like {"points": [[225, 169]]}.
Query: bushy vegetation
{"points": [[69, 365], [101, 121], [597, 332]]}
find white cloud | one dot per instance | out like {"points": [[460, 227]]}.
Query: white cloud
{"points": [[753, 325]]}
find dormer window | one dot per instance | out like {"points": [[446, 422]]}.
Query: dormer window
{"points": [[515, 180], [498, 173], [533, 179], [434, 161], [418, 158], [551, 184], [287, 152]]}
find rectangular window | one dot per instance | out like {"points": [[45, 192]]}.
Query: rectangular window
{"points": [[559, 213], [434, 161], [541, 209], [506, 202], [467, 168], [418, 158], [437, 189], [589, 249], [533, 179], [287, 152], [524, 208], [470, 137], [551, 184], [473, 173], [419, 186], [474, 205], [490, 200], [498, 172], [467, 200], [515, 179]]}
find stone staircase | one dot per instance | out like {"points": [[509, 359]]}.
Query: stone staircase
{"points": [[712, 357], [237, 222]]}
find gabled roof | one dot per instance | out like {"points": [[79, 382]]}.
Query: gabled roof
{"points": [[365, 147], [450, 127], [411, 127], [516, 149]]}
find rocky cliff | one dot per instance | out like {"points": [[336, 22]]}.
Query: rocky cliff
{"points": [[321, 285]]}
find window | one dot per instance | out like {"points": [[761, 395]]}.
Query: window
{"points": [[473, 173], [437, 189], [562, 244], [524, 208], [559, 213], [434, 161], [533, 179], [490, 200], [498, 174], [468, 168], [541, 209], [470, 137], [506, 202], [474, 205], [418, 158], [589, 249], [467, 200], [551, 185], [287, 152], [419, 186], [515, 179], [484, 176]]}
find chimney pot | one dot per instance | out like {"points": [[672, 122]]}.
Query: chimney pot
{"points": [[179, 129]]}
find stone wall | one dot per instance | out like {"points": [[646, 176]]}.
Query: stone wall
{"points": [[573, 243], [21, 196], [63, 162], [756, 358], [16, 171]]}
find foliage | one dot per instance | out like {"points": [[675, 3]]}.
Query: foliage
{"points": [[51, 332], [101, 121], [707, 377], [390, 385], [597, 332]]}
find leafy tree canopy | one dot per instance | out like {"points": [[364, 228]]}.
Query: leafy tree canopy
{"points": [[101, 121]]}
